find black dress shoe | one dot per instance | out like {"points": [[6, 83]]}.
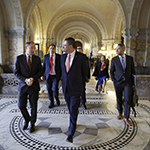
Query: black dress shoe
{"points": [[25, 126], [69, 139], [51, 106], [31, 129]]}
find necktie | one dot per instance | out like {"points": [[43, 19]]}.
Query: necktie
{"points": [[122, 61], [51, 64], [29, 62], [68, 63]]}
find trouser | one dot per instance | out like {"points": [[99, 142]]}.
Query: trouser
{"points": [[22, 104], [73, 103], [124, 89], [52, 88]]}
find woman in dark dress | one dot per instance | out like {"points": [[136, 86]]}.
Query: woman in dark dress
{"points": [[101, 73]]}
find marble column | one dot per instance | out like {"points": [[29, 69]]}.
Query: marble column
{"points": [[130, 41], [15, 44], [147, 54]]}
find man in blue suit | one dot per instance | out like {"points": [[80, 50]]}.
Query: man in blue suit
{"points": [[52, 69], [122, 71], [74, 72], [28, 70]]}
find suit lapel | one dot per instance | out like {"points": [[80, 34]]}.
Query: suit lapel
{"points": [[65, 57], [127, 61], [25, 60], [48, 57], [33, 59], [55, 61]]}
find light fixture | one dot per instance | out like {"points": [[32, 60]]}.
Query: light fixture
{"points": [[87, 46], [102, 48], [102, 51], [115, 46]]}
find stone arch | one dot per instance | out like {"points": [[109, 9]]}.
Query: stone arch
{"points": [[135, 13], [143, 17], [30, 7], [120, 6], [58, 19], [116, 27], [38, 25], [77, 28]]}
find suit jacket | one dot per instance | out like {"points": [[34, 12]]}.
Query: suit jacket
{"points": [[22, 72], [98, 73], [76, 76], [46, 66], [89, 74], [117, 73]]}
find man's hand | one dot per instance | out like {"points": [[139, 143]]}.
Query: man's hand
{"points": [[42, 78], [29, 81]]}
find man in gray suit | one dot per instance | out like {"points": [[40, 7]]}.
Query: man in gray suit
{"points": [[28, 70]]}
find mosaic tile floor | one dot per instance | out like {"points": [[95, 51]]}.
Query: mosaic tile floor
{"points": [[97, 127]]}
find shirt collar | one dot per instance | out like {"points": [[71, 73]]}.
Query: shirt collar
{"points": [[52, 54], [122, 56], [28, 55]]}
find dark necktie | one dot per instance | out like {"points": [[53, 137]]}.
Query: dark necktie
{"points": [[29, 62], [122, 62], [51, 64], [68, 63]]}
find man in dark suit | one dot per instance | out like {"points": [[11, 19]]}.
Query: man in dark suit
{"points": [[122, 71], [52, 69], [83, 95], [28, 70], [74, 72]]}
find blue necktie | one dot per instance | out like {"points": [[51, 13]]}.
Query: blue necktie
{"points": [[122, 62]]}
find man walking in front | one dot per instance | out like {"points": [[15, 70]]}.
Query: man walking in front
{"points": [[74, 72], [122, 71], [28, 70]]}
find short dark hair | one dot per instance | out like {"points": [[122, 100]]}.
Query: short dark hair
{"points": [[121, 45], [71, 41], [28, 43], [52, 45]]}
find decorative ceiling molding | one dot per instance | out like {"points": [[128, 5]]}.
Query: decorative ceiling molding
{"points": [[135, 13], [90, 17]]}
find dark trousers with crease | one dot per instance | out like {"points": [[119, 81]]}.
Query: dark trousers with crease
{"points": [[22, 104], [124, 89], [73, 103], [52, 88]]}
